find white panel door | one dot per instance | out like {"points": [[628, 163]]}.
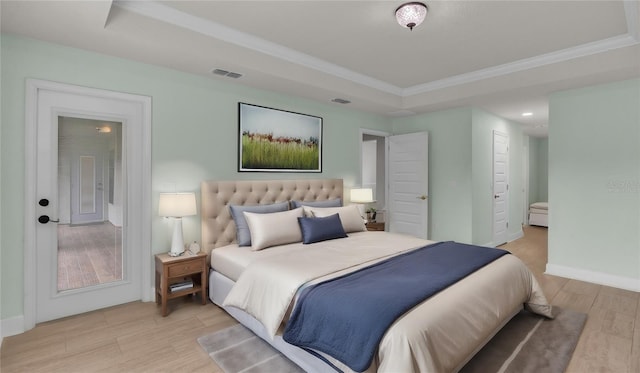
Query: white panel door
{"points": [[408, 184], [87, 188], [51, 301], [500, 187]]}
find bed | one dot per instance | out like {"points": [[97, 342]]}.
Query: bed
{"points": [[539, 214], [439, 334]]}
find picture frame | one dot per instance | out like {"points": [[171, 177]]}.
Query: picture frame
{"points": [[274, 140]]}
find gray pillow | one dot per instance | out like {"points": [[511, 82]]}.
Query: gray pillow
{"points": [[243, 234], [327, 203]]}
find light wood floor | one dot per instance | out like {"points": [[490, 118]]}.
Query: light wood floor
{"points": [[89, 255], [135, 338]]}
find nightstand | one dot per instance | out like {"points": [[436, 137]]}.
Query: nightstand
{"points": [[375, 226], [171, 270]]}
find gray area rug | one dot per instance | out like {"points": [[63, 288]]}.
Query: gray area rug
{"points": [[528, 343]]}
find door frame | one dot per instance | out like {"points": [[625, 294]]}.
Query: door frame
{"points": [[143, 145]]}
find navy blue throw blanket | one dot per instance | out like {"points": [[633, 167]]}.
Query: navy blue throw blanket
{"points": [[346, 317]]}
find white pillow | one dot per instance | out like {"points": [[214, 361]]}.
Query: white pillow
{"points": [[276, 228], [349, 215]]}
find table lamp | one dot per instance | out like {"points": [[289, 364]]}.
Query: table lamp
{"points": [[362, 196], [177, 205]]}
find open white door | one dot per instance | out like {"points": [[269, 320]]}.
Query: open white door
{"points": [[408, 184], [500, 187]]}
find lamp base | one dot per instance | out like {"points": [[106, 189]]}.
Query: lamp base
{"points": [[177, 244]]}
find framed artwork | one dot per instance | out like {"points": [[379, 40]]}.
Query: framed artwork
{"points": [[272, 140]]}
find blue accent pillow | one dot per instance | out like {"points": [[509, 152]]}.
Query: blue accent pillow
{"points": [[243, 234], [328, 203], [321, 229]]}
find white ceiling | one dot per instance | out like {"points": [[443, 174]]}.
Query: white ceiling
{"points": [[503, 56]]}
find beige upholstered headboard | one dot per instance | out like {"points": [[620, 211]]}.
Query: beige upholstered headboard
{"points": [[218, 228]]}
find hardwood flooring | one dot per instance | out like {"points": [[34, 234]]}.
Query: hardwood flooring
{"points": [[610, 341], [135, 338], [89, 255]]}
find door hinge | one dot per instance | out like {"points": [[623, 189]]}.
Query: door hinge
{"points": [[507, 224], [507, 186]]}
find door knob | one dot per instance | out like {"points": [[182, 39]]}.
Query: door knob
{"points": [[44, 219], [43, 202], [496, 196], [422, 197]]}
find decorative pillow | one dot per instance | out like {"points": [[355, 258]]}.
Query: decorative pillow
{"points": [[327, 203], [349, 215], [276, 228], [321, 229], [243, 236]]}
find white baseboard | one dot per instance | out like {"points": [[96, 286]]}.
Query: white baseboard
{"points": [[600, 278], [516, 235], [12, 326], [511, 237]]}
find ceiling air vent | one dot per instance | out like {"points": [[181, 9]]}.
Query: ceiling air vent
{"points": [[229, 74], [341, 101], [220, 72]]}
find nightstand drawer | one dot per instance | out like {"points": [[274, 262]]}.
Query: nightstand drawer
{"points": [[180, 269], [375, 226]]}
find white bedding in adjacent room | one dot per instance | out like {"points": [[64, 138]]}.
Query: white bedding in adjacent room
{"points": [[533, 210], [540, 205], [539, 214]]}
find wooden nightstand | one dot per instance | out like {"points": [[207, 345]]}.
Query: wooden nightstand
{"points": [[170, 270], [375, 226]]}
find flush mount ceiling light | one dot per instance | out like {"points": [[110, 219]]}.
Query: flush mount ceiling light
{"points": [[411, 14], [527, 114], [103, 129]]}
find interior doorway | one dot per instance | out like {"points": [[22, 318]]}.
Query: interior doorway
{"points": [[373, 155]]}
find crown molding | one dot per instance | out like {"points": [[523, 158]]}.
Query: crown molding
{"points": [[216, 30], [525, 64]]}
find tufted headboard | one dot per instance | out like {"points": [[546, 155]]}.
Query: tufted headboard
{"points": [[218, 228]]}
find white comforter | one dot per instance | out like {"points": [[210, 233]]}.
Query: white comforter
{"points": [[439, 335]]}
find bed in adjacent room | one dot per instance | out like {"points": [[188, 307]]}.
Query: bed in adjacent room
{"points": [[269, 284], [539, 214]]}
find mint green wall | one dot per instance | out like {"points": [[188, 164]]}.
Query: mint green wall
{"points": [[460, 172], [594, 179], [449, 170], [484, 124], [538, 169], [194, 134]]}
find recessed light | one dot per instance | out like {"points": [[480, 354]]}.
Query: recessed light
{"points": [[527, 114]]}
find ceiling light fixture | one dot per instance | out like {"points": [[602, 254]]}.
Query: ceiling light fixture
{"points": [[411, 14], [103, 129], [527, 114]]}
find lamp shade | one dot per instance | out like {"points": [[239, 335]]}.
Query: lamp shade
{"points": [[177, 204], [362, 195]]}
